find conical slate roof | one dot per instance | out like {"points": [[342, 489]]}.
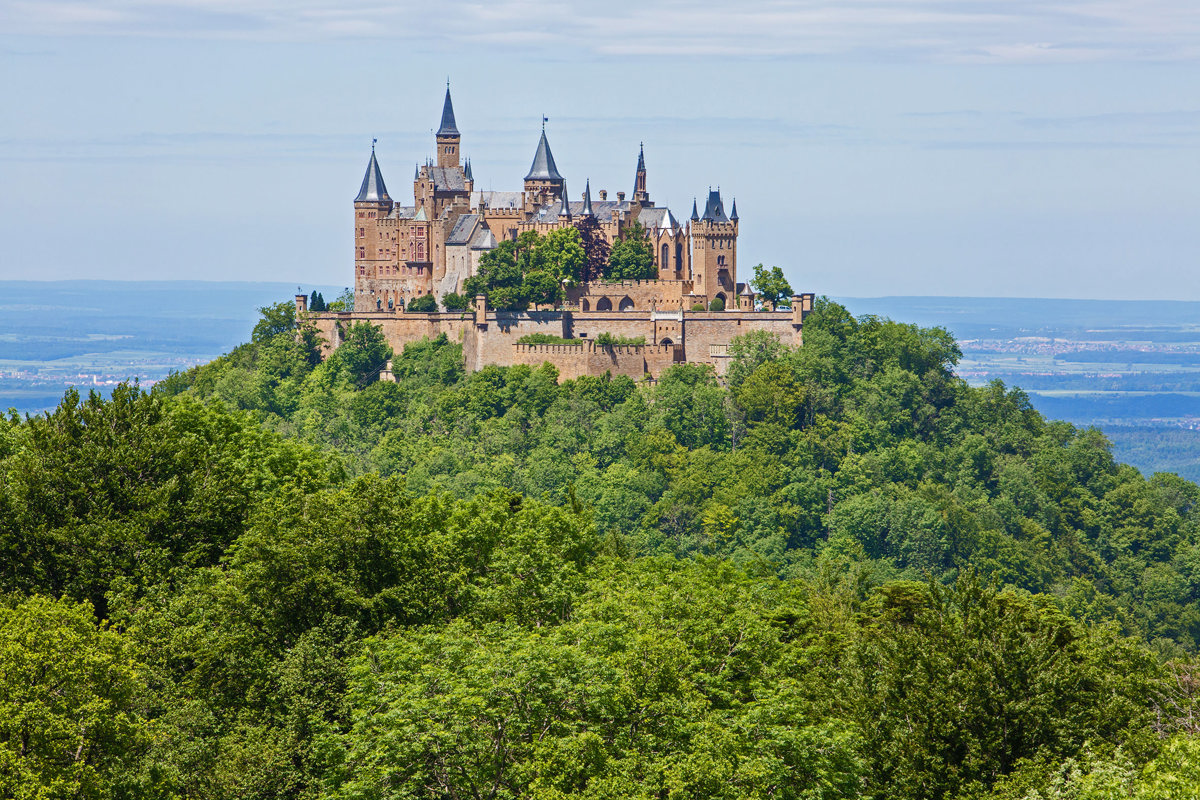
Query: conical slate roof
{"points": [[695, 213], [373, 190], [565, 210], [448, 127], [543, 168], [733, 211], [587, 200], [714, 209], [641, 167]]}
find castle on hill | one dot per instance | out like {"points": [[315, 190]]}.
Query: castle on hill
{"points": [[433, 246]]}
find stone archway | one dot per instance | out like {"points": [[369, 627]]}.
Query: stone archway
{"points": [[626, 304], [584, 305], [666, 341], [604, 304]]}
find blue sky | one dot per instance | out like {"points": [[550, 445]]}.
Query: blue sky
{"points": [[888, 147]]}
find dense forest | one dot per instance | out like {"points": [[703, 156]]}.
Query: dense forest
{"points": [[841, 572]]}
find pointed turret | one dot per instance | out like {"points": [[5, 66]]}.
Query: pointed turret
{"points": [[469, 176], [640, 195], [543, 167], [416, 172], [448, 127], [373, 189], [733, 211], [543, 184], [564, 213], [447, 135], [587, 200], [695, 214]]}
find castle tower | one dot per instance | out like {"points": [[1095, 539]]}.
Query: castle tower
{"points": [[371, 206], [543, 184], [714, 251], [447, 135], [640, 195]]}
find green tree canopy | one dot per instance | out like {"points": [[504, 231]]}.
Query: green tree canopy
{"points": [[771, 286], [632, 257]]}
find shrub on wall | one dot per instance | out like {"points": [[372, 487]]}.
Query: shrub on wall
{"points": [[717, 304], [609, 340], [423, 304]]}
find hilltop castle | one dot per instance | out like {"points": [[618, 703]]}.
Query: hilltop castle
{"points": [[433, 246]]}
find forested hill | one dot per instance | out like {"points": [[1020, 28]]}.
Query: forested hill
{"points": [[843, 574]]}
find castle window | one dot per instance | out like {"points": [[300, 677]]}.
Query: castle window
{"points": [[362, 231], [720, 261], [665, 261], [362, 252]]}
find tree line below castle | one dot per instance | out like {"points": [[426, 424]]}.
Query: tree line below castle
{"points": [[842, 573]]}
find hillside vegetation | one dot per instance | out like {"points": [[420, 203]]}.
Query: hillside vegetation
{"points": [[843, 574]]}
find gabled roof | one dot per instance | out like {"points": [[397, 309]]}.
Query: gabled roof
{"points": [[448, 179], [463, 230], [543, 168], [373, 190], [448, 128], [496, 199], [713, 208], [661, 218]]}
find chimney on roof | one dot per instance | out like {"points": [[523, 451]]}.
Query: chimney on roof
{"points": [[620, 197], [604, 194]]}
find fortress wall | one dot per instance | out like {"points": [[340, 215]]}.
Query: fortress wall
{"points": [[695, 336], [399, 328], [707, 334], [492, 343], [573, 361], [645, 295]]}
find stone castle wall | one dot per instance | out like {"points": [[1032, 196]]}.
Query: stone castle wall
{"points": [[491, 337]]}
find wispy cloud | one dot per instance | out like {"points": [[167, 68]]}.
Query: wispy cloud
{"points": [[1032, 31]]}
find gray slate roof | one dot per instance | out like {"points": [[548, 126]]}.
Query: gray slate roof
{"points": [[496, 199], [713, 208], [448, 179], [543, 163], [373, 190], [448, 128], [652, 218], [462, 231]]}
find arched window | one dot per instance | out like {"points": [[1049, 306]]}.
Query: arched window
{"points": [[666, 342], [679, 257], [626, 304], [604, 304], [720, 261], [666, 258], [583, 304]]}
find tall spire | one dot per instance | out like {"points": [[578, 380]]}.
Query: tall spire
{"points": [[565, 211], [587, 200], [543, 168], [467, 171], [733, 211], [640, 195], [448, 127], [695, 214], [373, 190]]}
